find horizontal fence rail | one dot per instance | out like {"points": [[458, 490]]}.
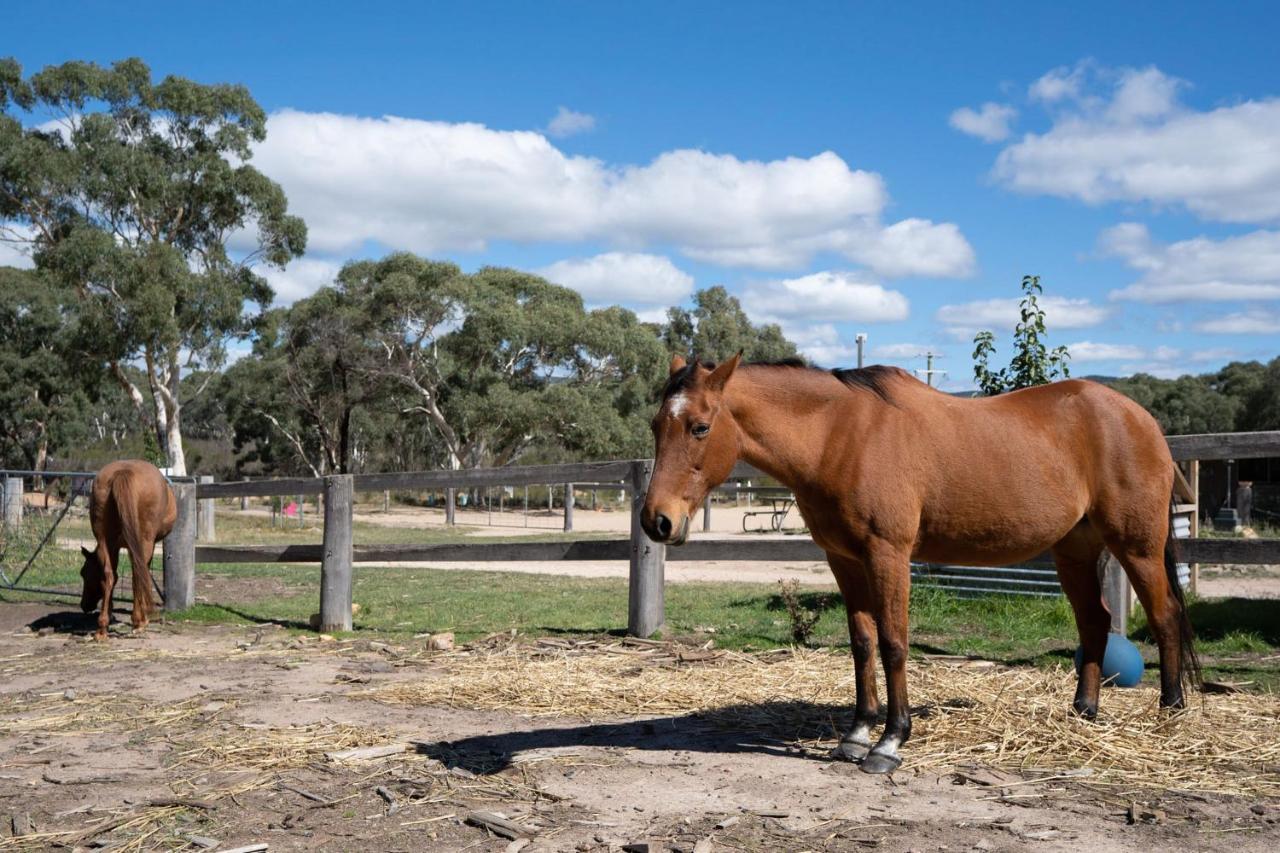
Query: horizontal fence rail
{"points": [[790, 549], [647, 560]]}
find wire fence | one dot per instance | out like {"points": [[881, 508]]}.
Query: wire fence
{"points": [[45, 522]]}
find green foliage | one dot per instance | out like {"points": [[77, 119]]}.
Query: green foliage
{"points": [[43, 404], [1033, 363], [717, 328], [1243, 396], [129, 197], [409, 363]]}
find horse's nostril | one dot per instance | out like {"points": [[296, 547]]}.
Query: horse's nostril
{"points": [[664, 526]]}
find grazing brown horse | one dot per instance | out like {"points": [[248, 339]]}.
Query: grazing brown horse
{"points": [[131, 507], [886, 469]]}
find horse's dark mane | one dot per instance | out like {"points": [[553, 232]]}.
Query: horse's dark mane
{"points": [[873, 378]]}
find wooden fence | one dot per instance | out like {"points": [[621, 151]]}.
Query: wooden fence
{"points": [[647, 559]]}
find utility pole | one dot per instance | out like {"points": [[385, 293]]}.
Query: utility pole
{"points": [[928, 370], [861, 339]]}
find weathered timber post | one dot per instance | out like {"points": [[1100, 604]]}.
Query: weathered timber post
{"points": [[180, 551], [13, 502], [1115, 592], [244, 499], [706, 514], [450, 496], [205, 531], [1194, 479], [336, 558], [568, 507], [646, 606]]}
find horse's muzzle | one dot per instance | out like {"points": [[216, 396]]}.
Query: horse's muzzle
{"points": [[661, 529]]}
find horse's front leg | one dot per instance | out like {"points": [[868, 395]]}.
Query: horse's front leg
{"points": [[889, 574], [110, 559], [849, 574]]}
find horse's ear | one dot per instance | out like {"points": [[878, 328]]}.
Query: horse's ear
{"points": [[677, 364], [87, 553], [716, 381]]}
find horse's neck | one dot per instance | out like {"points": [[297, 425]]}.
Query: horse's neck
{"points": [[785, 419]]}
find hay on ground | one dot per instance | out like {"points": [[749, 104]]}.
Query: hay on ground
{"points": [[966, 712]]}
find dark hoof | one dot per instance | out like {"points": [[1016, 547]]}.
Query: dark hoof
{"points": [[1085, 710], [849, 750], [878, 763]]}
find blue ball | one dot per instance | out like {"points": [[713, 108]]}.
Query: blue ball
{"points": [[1122, 663]]}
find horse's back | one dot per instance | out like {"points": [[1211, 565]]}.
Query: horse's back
{"points": [[1010, 475], [132, 492]]}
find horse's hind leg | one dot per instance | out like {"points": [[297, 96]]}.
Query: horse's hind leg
{"points": [[1076, 557], [855, 744], [1147, 572], [143, 603]]}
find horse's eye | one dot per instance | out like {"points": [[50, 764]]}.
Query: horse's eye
{"points": [[700, 430]]}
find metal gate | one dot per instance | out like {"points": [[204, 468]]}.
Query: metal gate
{"points": [[44, 517]]}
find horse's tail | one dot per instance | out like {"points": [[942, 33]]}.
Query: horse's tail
{"points": [[125, 497], [1190, 662]]}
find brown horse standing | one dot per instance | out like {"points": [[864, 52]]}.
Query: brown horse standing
{"points": [[886, 469], [131, 506]]}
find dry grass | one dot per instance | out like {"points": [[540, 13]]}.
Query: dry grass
{"points": [[967, 712]]}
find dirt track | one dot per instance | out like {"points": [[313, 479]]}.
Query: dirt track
{"points": [[239, 721]]}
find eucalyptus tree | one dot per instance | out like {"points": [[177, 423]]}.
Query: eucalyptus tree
{"points": [[43, 405], [718, 327], [139, 196]]}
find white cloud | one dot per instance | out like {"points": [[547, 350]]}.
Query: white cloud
{"points": [[1160, 370], [1091, 351], [434, 186], [300, 279], [14, 255], [1122, 135], [567, 122], [15, 245], [622, 278], [832, 296], [1059, 84], [1001, 315], [822, 344], [990, 122], [1196, 270], [900, 351], [1242, 323], [1214, 354]]}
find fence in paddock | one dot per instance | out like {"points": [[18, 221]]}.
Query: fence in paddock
{"points": [[337, 553], [647, 560], [44, 518]]}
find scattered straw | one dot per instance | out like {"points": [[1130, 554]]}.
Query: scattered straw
{"points": [[1012, 718]]}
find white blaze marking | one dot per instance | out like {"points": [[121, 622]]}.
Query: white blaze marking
{"points": [[677, 404]]}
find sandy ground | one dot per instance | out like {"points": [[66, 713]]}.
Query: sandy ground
{"points": [[98, 741]]}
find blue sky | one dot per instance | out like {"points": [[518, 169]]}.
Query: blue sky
{"points": [[877, 167]]}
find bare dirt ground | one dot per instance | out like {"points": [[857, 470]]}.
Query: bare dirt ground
{"points": [[226, 736]]}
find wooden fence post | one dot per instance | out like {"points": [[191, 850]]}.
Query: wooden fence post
{"points": [[706, 514], [646, 606], [180, 551], [205, 531], [568, 507], [450, 495], [335, 566], [244, 499], [1115, 592], [13, 502]]}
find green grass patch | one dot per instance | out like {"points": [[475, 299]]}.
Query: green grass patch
{"points": [[1236, 637]]}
